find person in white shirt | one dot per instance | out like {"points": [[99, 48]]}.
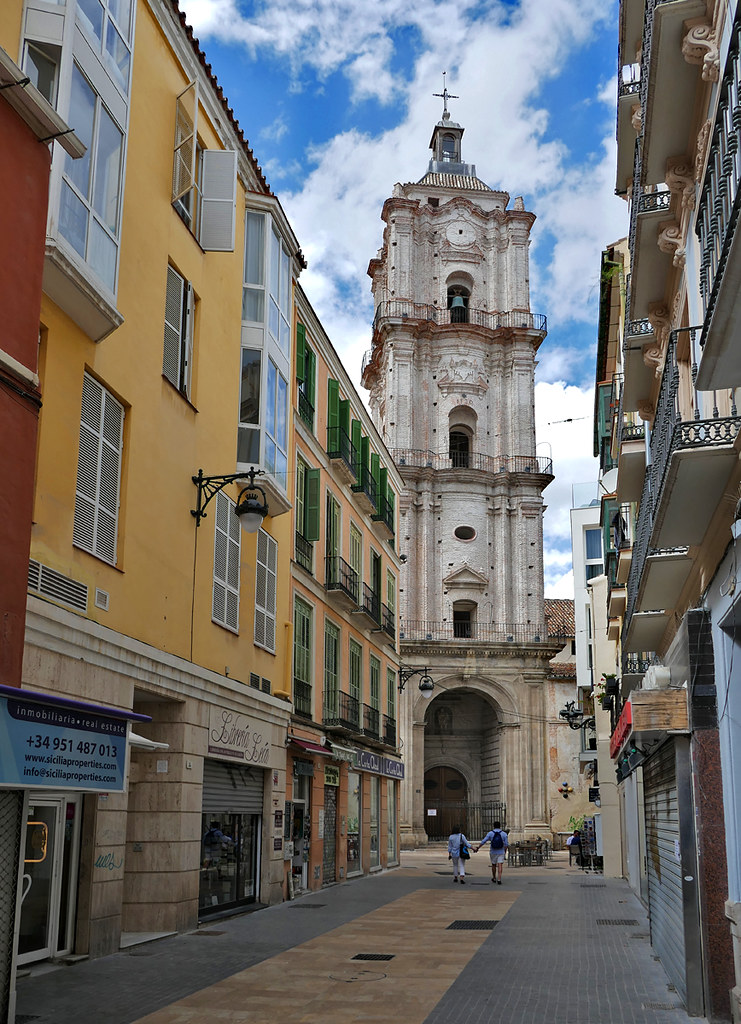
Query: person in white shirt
{"points": [[456, 842]]}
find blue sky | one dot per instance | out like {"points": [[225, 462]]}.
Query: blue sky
{"points": [[336, 99]]}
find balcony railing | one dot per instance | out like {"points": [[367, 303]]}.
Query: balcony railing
{"points": [[385, 513], [405, 309], [341, 576], [423, 459], [638, 663], [718, 209], [339, 446], [302, 698], [480, 632], [389, 731], [306, 410], [388, 621], [304, 553], [341, 711], [371, 720], [371, 603], [367, 485]]}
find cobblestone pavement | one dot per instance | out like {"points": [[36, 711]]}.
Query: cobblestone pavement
{"points": [[551, 944]]}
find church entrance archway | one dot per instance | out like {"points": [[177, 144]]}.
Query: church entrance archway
{"points": [[446, 796]]}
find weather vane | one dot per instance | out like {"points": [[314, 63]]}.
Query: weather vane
{"points": [[445, 96]]}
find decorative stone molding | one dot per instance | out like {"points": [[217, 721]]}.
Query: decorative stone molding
{"points": [[660, 320], [460, 372], [636, 118], [645, 410], [670, 241], [466, 578], [701, 152], [700, 46], [681, 180], [653, 357]]}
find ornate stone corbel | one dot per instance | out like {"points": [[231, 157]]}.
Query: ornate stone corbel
{"points": [[653, 357], [670, 241], [701, 152], [681, 180], [699, 46], [660, 320], [636, 118], [645, 410]]}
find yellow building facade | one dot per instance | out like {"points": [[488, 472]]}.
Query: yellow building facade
{"points": [[166, 347]]}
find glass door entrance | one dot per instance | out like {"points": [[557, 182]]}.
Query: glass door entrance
{"points": [[50, 857]]}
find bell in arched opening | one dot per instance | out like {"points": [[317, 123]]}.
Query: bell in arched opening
{"points": [[458, 310]]}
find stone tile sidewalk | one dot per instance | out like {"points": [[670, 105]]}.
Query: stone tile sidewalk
{"points": [[533, 949]]}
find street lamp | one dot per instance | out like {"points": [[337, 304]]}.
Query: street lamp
{"points": [[426, 685], [252, 503]]}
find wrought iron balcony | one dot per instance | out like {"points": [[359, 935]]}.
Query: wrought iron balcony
{"points": [[388, 621], [341, 711], [419, 458], [304, 552], [405, 309], [302, 698], [306, 410], [717, 221], [371, 605], [416, 630], [340, 447], [384, 514], [366, 490], [342, 579], [371, 721], [389, 731]]}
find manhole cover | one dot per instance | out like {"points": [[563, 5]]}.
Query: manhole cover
{"points": [[470, 926], [373, 956], [350, 976], [616, 920], [307, 906], [206, 932]]}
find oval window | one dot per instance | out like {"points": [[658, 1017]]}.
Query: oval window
{"points": [[465, 532]]}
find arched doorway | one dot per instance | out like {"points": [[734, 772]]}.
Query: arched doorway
{"points": [[446, 796]]}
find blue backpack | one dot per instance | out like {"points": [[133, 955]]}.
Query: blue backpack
{"points": [[497, 842]]}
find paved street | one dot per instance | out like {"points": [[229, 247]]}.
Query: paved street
{"points": [[551, 943]]}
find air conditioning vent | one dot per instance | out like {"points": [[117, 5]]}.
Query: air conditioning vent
{"points": [[102, 598], [255, 680], [50, 583], [265, 685]]}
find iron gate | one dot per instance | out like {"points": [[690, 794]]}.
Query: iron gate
{"points": [[474, 819], [329, 858]]}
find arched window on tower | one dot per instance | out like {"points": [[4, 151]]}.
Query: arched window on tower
{"points": [[449, 153], [459, 449], [464, 620], [458, 304]]}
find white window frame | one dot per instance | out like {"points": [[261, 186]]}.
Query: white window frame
{"points": [[179, 323], [98, 489], [266, 591], [227, 559]]}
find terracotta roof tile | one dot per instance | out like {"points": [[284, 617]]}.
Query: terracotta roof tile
{"points": [[459, 181], [559, 615]]}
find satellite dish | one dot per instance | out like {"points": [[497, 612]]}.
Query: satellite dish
{"points": [[608, 483]]}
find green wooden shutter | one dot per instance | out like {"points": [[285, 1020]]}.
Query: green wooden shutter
{"points": [[344, 416], [364, 456], [310, 369], [311, 515], [333, 403], [357, 438], [383, 482], [300, 352], [375, 472]]}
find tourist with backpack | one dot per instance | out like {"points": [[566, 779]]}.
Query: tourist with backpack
{"points": [[498, 843]]}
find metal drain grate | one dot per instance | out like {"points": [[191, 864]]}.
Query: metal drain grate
{"points": [[470, 926], [204, 932], [616, 920], [662, 1006], [591, 885], [373, 956], [307, 906]]}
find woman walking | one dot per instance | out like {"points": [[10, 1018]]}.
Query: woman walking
{"points": [[459, 853]]}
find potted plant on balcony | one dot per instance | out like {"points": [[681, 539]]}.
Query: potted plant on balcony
{"points": [[600, 694], [612, 684]]}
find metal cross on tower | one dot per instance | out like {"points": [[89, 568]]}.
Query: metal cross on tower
{"points": [[445, 96]]}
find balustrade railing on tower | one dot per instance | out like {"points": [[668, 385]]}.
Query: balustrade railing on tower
{"points": [[423, 459], [411, 630]]}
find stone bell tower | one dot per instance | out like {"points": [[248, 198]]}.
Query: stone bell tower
{"points": [[451, 382]]}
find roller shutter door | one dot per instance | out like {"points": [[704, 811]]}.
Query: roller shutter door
{"points": [[664, 867], [232, 789]]}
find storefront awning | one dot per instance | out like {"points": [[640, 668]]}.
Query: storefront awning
{"points": [[309, 747], [138, 742]]}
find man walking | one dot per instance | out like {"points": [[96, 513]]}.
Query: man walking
{"points": [[498, 843]]}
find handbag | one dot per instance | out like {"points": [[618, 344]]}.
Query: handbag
{"points": [[465, 853]]}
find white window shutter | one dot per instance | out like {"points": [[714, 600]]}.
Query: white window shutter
{"points": [[225, 599], [95, 526], [266, 590], [186, 135], [173, 326], [218, 200]]}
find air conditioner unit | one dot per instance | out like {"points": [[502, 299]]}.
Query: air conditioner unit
{"points": [[657, 677]]}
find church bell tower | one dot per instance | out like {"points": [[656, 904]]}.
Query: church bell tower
{"points": [[451, 382]]}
